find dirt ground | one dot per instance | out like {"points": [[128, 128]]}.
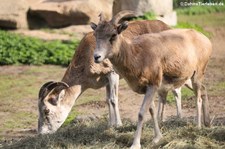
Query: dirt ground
{"points": [[129, 102]]}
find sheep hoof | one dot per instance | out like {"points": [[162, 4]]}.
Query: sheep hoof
{"points": [[136, 146], [157, 139]]}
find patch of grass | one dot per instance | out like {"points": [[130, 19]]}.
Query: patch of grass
{"points": [[193, 26], [24, 117], [96, 134], [200, 10], [221, 85], [72, 115], [185, 93], [217, 89], [209, 20], [147, 16]]}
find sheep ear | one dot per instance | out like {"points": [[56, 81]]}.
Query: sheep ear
{"points": [[122, 27], [48, 87], [93, 25], [57, 93]]}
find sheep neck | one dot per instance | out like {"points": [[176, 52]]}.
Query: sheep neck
{"points": [[124, 54], [73, 77], [72, 93]]}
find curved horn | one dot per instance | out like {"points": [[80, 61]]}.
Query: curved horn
{"points": [[59, 86], [49, 86], [43, 88], [62, 85], [122, 15]]}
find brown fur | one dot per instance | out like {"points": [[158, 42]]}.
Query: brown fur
{"points": [[156, 63], [168, 57], [83, 70]]}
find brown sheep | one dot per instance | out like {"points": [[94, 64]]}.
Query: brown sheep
{"points": [[155, 63]]}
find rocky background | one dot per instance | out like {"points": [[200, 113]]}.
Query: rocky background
{"points": [[72, 15]]}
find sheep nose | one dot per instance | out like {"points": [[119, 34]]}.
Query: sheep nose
{"points": [[96, 57]]}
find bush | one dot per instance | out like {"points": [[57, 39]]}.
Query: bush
{"points": [[147, 16], [17, 49]]}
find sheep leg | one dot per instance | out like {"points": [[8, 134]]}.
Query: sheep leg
{"points": [[113, 99], [110, 106], [161, 105], [177, 94], [196, 84], [147, 102], [160, 108], [205, 107]]}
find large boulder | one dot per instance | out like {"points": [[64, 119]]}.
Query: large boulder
{"points": [[162, 9], [142, 6], [13, 14], [61, 13]]}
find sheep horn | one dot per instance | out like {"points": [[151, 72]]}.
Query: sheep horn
{"points": [[43, 89], [101, 17], [49, 86], [119, 17]]}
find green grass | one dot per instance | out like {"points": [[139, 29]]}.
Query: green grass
{"points": [[209, 20], [193, 26], [72, 115], [217, 89], [185, 92], [147, 16], [96, 134], [200, 10]]}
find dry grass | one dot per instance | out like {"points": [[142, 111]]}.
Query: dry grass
{"points": [[95, 134]]}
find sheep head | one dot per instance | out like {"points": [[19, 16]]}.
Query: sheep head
{"points": [[106, 33], [52, 112]]}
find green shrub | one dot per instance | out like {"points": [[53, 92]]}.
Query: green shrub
{"points": [[147, 16], [18, 49]]}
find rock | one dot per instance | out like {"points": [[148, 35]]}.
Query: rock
{"points": [[162, 9], [170, 18], [142, 6], [62, 13], [13, 14]]}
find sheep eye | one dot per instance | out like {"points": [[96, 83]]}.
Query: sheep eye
{"points": [[53, 100], [46, 111], [113, 37]]}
